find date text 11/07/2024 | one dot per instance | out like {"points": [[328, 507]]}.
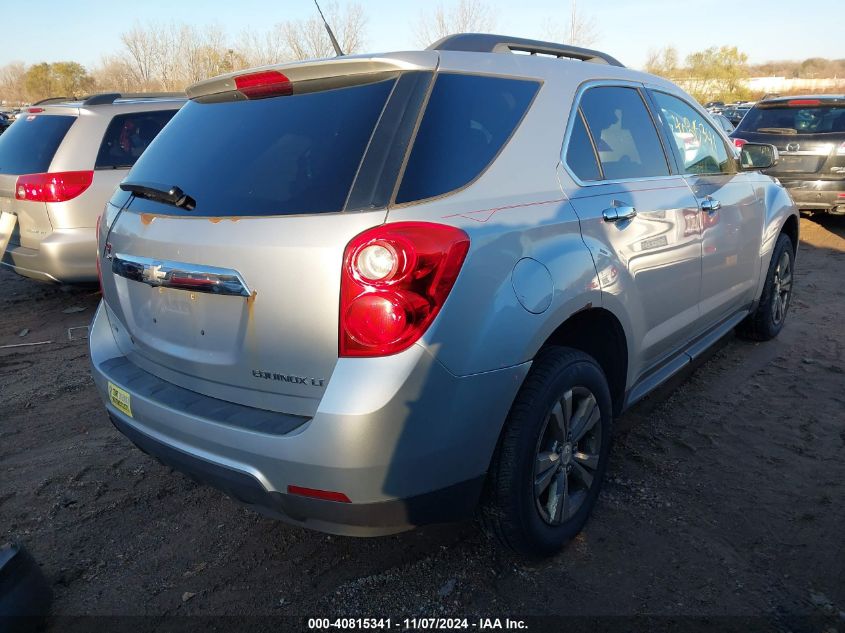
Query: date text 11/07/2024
{"points": [[432, 624]]}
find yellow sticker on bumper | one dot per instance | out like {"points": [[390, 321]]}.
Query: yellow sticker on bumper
{"points": [[120, 399]]}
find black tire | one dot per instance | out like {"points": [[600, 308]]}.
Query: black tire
{"points": [[767, 320], [511, 511]]}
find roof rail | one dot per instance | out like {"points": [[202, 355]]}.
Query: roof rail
{"points": [[489, 43], [111, 97]]}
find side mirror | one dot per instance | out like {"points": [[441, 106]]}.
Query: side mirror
{"points": [[757, 156]]}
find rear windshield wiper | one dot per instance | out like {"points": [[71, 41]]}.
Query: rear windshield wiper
{"points": [[172, 195]]}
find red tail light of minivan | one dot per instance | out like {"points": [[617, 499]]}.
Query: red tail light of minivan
{"points": [[395, 279], [53, 187]]}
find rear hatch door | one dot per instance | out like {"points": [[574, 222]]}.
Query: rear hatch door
{"points": [[235, 293], [28, 147], [809, 134]]}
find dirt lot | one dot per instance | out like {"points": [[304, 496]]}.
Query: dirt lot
{"points": [[726, 495]]}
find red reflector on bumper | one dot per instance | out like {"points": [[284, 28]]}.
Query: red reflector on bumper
{"points": [[326, 495]]}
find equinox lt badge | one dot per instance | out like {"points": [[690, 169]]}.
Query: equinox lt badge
{"points": [[296, 380]]}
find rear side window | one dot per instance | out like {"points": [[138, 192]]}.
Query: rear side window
{"points": [[278, 156], [580, 154], [467, 121], [699, 147], [30, 143], [623, 133], [128, 135], [806, 116]]}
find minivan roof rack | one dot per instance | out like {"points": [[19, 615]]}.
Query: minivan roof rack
{"points": [[111, 97], [489, 43]]}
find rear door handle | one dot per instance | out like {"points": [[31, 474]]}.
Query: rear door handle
{"points": [[618, 214], [710, 205]]}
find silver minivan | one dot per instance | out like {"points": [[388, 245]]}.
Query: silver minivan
{"points": [[373, 292], [59, 164]]}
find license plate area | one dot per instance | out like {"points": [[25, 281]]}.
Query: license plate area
{"points": [[121, 399]]}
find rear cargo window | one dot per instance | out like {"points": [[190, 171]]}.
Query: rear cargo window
{"points": [[466, 122], [279, 156], [128, 135], [30, 143], [801, 118]]}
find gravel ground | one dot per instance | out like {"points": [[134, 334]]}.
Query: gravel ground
{"points": [[724, 495]]}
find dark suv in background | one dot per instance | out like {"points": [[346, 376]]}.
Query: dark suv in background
{"points": [[809, 133]]}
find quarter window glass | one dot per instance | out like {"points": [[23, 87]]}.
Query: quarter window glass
{"points": [[580, 155], [700, 148], [625, 137], [467, 121], [127, 137]]}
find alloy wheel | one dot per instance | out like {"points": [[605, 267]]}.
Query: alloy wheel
{"points": [[567, 455], [782, 290]]}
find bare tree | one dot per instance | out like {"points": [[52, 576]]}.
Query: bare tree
{"points": [[466, 16], [141, 55], [12, 83], [579, 30], [306, 39], [663, 62]]}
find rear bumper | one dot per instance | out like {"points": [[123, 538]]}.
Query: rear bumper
{"points": [[416, 454], [66, 255], [350, 519], [817, 195]]}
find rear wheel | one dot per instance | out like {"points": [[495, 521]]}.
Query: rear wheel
{"points": [[768, 318], [552, 456]]}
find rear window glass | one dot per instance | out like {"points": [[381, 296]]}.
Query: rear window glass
{"points": [[278, 156], [466, 122], [30, 143], [795, 120], [624, 133], [128, 135]]}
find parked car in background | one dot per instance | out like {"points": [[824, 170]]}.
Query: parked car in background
{"points": [[809, 133], [735, 113], [363, 294], [723, 122], [5, 122], [59, 164], [714, 107]]}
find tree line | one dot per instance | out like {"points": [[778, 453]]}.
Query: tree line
{"points": [[171, 56], [719, 73]]}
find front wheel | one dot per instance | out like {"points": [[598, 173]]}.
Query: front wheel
{"points": [[768, 318], [552, 456]]}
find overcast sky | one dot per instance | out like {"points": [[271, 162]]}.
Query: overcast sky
{"points": [[84, 30]]}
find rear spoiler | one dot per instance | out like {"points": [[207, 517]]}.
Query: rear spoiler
{"points": [[322, 74]]}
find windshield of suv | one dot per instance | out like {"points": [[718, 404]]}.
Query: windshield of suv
{"points": [[278, 156], [30, 143], [795, 119]]}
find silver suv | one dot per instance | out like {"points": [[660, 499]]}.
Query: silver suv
{"points": [[59, 164], [373, 292]]}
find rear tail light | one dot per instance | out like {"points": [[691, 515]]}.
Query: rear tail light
{"points": [[34, 110], [803, 102], [54, 187], [739, 142], [270, 83], [395, 279]]}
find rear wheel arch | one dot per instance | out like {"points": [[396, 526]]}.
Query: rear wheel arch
{"points": [[790, 228], [598, 333]]}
